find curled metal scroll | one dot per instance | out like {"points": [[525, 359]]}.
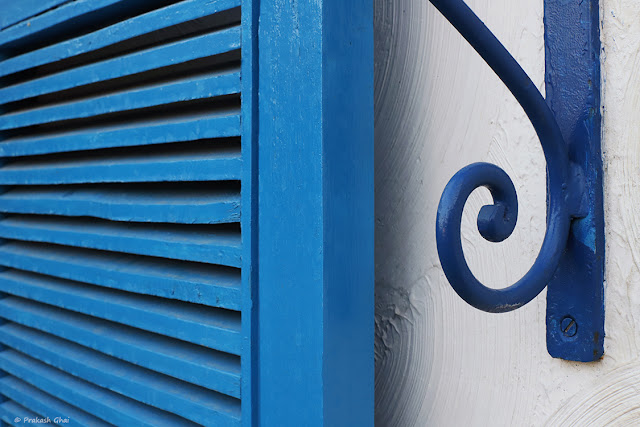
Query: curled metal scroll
{"points": [[496, 222]]}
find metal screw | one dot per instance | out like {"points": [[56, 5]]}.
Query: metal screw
{"points": [[568, 326]]}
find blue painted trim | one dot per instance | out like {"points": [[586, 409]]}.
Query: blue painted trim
{"points": [[249, 219], [572, 40], [316, 213], [348, 210]]}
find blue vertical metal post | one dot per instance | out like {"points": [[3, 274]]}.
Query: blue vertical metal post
{"points": [[575, 296], [315, 208]]}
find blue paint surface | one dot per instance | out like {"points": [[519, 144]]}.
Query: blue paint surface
{"points": [[315, 168], [181, 360], [217, 329], [180, 204], [119, 32], [177, 241], [195, 403], [190, 89], [149, 59], [222, 124], [572, 40], [185, 281], [17, 11]]}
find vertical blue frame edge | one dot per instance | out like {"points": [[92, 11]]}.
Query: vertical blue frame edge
{"points": [[249, 219], [314, 299], [572, 81]]}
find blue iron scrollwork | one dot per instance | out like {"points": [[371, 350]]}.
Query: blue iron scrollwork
{"points": [[496, 222]]}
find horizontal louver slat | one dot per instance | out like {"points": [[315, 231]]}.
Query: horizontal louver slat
{"points": [[198, 283], [10, 412], [163, 56], [103, 403], [122, 203], [41, 22], [215, 328], [191, 89], [206, 163], [191, 402], [135, 27], [203, 243], [46, 405], [21, 11], [144, 133], [188, 362]]}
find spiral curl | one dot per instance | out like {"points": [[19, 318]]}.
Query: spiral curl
{"points": [[496, 222]]}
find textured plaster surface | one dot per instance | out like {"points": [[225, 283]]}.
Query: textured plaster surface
{"points": [[439, 108]]}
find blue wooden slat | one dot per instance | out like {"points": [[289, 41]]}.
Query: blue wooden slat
{"points": [[14, 12], [162, 204], [208, 163], [126, 30], [33, 21], [187, 362], [192, 282], [191, 89], [102, 403], [210, 327], [190, 243], [138, 62], [47, 405], [191, 402], [10, 412], [215, 125]]}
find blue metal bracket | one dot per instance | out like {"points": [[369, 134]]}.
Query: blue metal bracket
{"points": [[571, 260]]}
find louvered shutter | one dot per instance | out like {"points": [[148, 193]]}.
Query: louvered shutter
{"points": [[131, 204]]}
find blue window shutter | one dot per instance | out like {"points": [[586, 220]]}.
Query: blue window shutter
{"points": [[186, 225]]}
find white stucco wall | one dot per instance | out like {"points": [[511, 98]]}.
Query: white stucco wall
{"points": [[438, 108]]}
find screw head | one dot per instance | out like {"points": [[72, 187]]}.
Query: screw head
{"points": [[569, 327]]}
